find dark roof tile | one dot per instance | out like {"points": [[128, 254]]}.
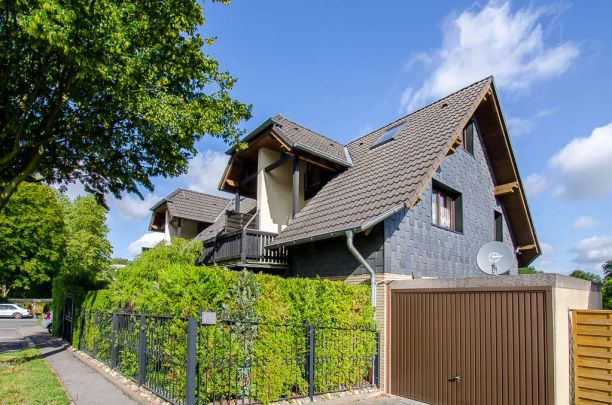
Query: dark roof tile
{"points": [[389, 175]]}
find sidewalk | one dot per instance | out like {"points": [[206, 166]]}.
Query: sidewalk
{"points": [[84, 385]]}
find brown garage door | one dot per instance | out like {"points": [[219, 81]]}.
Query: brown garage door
{"points": [[471, 347]]}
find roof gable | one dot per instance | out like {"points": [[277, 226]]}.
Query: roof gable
{"points": [[393, 175], [189, 204]]}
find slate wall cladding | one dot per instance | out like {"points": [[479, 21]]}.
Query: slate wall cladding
{"points": [[330, 257], [414, 246]]}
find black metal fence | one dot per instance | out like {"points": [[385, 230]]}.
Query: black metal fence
{"points": [[231, 361]]}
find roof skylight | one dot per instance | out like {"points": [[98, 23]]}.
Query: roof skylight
{"points": [[387, 136]]}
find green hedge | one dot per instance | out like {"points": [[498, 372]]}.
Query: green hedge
{"points": [[76, 286], [164, 281]]}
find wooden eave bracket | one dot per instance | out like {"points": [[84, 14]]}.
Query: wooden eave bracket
{"points": [[456, 143], [526, 247], [506, 188]]}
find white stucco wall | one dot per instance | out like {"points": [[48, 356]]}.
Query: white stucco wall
{"points": [[274, 191], [564, 300]]}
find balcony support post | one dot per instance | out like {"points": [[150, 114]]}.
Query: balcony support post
{"points": [[237, 202], [296, 185]]}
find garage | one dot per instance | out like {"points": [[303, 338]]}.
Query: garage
{"points": [[471, 345]]}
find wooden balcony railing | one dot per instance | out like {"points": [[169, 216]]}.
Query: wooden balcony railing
{"points": [[247, 246]]}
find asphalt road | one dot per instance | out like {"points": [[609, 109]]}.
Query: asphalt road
{"points": [[10, 336]]}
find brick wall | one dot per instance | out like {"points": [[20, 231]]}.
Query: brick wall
{"points": [[414, 246]]}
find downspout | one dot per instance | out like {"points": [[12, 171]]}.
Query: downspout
{"points": [[364, 263]]}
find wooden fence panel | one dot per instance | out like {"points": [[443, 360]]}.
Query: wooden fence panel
{"points": [[592, 356]]}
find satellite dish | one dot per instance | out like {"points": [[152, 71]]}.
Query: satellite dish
{"points": [[495, 258]]}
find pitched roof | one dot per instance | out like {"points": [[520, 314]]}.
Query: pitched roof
{"points": [[247, 205], [302, 139], [189, 204], [310, 141], [390, 176]]}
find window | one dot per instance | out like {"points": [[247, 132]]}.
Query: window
{"points": [[468, 137], [316, 177], [446, 208], [499, 226], [387, 136]]}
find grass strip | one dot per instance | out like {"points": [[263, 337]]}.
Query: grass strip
{"points": [[25, 378]]}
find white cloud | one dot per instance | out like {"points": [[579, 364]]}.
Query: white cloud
{"points": [[491, 41], [535, 183], [585, 165], [593, 250], [546, 261], [519, 126], [132, 208], [205, 171], [584, 222], [147, 240]]}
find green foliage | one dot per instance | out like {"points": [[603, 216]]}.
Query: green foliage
{"points": [[75, 285], [606, 293], [86, 255], [607, 268], [87, 247], [585, 275], [32, 240], [164, 280], [529, 270], [108, 93]]}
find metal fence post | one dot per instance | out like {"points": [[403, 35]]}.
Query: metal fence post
{"points": [[114, 345], [142, 350], [376, 365], [310, 360], [81, 327], [94, 349], [191, 361]]}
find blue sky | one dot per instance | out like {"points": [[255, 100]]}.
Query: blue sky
{"points": [[345, 68]]}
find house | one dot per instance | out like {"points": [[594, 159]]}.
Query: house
{"points": [[187, 213], [415, 198], [406, 208]]}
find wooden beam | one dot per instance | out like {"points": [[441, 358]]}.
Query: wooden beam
{"points": [[526, 247], [248, 179], [506, 188], [456, 143], [278, 163], [314, 162]]}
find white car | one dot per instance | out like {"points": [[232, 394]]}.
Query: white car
{"points": [[13, 311]]}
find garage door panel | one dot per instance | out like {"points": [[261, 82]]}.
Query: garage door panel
{"points": [[495, 342]]}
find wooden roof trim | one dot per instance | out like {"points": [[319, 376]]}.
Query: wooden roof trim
{"points": [[506, 188], [521, 192], [226, 172], [447, 149]]}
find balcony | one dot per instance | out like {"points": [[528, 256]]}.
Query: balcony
{"points": [[244, 248]]}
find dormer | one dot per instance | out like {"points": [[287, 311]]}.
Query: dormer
{"points": [[283, 165]]}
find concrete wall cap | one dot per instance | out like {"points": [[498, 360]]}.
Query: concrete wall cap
{"points": [[523, 280]]}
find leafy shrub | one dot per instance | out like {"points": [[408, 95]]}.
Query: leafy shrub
{"points": [[271, 314]]}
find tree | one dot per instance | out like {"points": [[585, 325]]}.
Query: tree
{"points": [[32, 240], [607, 268], [529, 270], [87, 247], [585, 275], [107, 93]]}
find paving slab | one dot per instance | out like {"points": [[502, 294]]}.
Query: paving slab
{"points": [[83, 384]]}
